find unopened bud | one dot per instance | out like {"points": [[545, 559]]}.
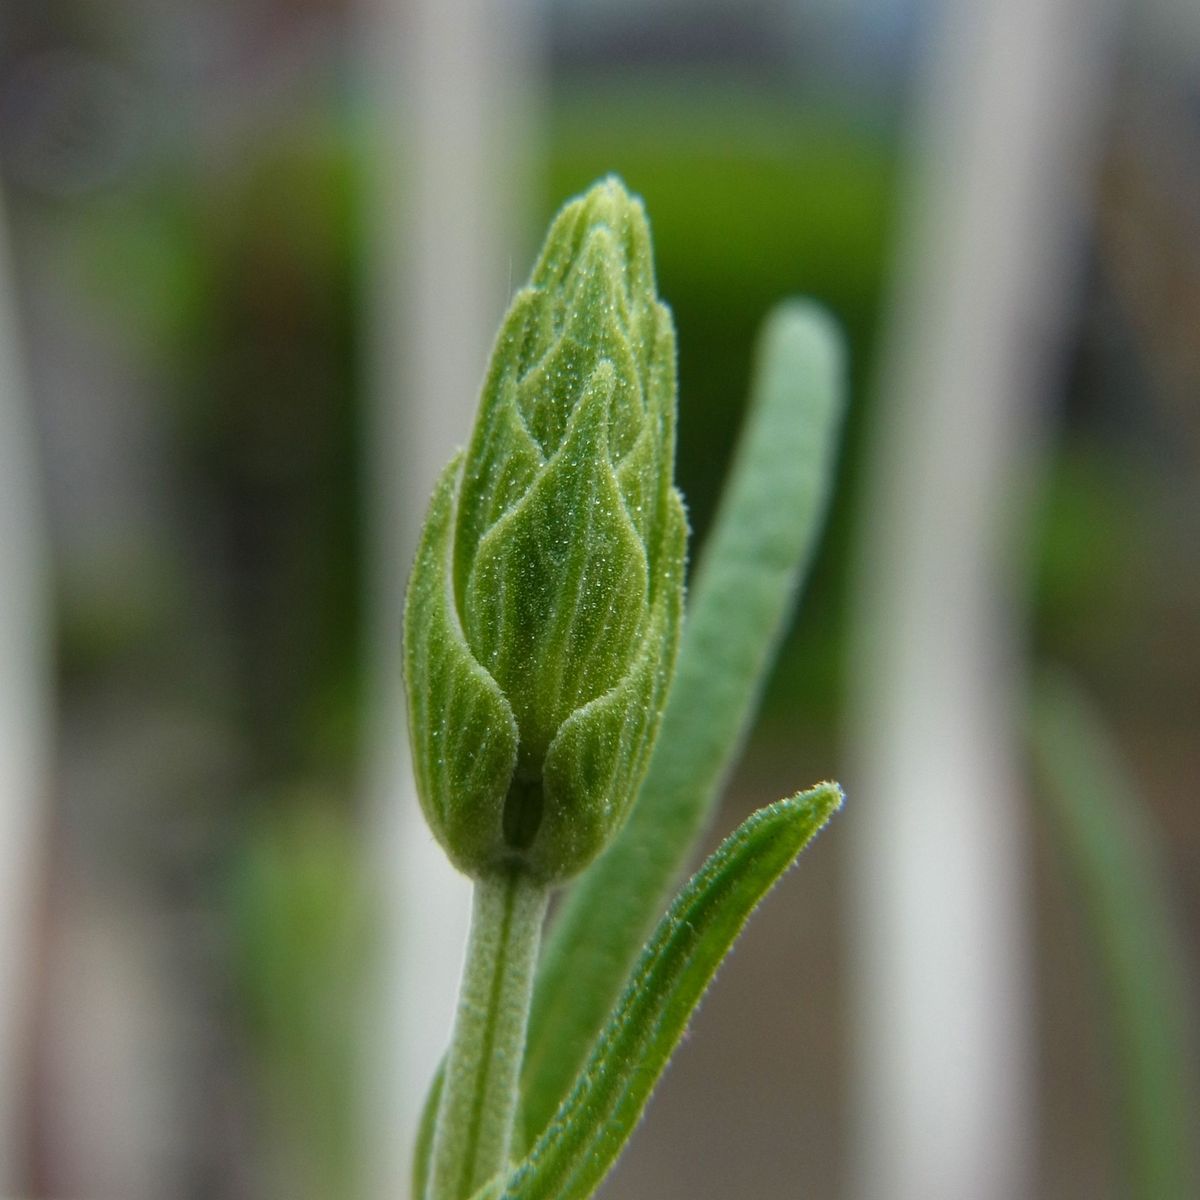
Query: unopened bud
{"points": [[543, 612]]}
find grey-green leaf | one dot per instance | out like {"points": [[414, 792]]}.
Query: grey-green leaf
{"points": [[1111, 848], [744, 592], [423, 1148], [587, 1133]]}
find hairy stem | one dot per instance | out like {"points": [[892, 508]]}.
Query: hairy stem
{"points": [[473, 1137]]}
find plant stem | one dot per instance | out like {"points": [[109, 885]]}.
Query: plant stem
{"points": [[474, 1132]]}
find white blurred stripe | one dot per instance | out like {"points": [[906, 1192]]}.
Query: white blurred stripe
{"points": [[1008, 109], [453, 91], [24, 708]]}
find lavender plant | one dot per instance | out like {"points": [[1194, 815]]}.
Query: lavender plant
{"points": [[569, 724]]}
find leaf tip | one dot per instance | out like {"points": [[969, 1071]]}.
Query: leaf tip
{"points": [[813, 809], [826, 797]]}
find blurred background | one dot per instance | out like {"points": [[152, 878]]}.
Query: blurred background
{"points": [[253, 256]]}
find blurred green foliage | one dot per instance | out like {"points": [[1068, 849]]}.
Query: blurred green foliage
{"points": [[240, 289], [1116, 855], [300, 939], [1091, 551]]}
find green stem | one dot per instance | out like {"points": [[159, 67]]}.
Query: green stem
{"points": [[472, 1141]]}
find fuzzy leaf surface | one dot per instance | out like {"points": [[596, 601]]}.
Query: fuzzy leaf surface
{"points": [[538, 606], [587, 1133]]}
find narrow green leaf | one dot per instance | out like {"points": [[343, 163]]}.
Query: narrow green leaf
{"points": [[1112, 851], [423, 1150], [586, 1135], [742, 598]]}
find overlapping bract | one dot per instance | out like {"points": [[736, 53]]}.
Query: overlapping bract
{"points": [[544, 607]]}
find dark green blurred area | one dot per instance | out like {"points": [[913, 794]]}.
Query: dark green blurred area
{"points": [[243, 290]]}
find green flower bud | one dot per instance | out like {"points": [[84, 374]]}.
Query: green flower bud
{"points": [[543, 612]]}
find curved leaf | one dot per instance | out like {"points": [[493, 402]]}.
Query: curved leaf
{"points": [[589, 1130]]}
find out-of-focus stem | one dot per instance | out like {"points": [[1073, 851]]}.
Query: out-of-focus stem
{"points": [[24, 706], [1113, 852]]}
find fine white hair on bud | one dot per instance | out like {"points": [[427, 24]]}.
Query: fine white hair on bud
{"points": [[544, 607]]}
